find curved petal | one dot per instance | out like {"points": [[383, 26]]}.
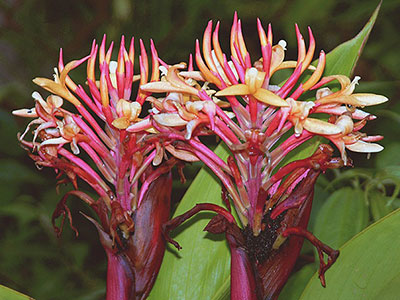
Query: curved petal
{"points": [[170, 119], [370, 99], [182, 154], [268, 97], [361, 146], [163, 87], [234, 90], [121, 123], [321, 127]]}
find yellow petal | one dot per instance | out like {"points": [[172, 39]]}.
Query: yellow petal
{"points": [[321, 127], [343, 80], [291, 64], [317, 74], [57, 89], [268, 97], [121, 123], [278, 54], [174, 79], [254, 79], [234, 90]]}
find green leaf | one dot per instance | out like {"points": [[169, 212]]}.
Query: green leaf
{"points": [[296, 283], [368, 267], [201, 270], [343, 59], [379, 204], [343, 215], [389, 157], [9, 294]]}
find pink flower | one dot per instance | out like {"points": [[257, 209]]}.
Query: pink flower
{"points": [[88, 141], [261, 123]]}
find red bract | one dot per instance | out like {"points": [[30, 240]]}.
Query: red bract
{"points": [[125, 169], [261, 123]]}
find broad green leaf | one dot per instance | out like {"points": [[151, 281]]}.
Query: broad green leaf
{"points": [[379, 204], [343, 59], [368, 267], [296, 283], [390, 156], [9, 294], [201, 270], [343, 215]]}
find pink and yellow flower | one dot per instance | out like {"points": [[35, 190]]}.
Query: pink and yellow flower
{"points": [[261, 123], [87, 140]]}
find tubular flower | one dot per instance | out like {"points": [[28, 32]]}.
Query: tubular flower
{"points": [[261, 123], [126, 169]]}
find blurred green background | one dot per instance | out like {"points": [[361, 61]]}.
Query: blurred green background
{"points": [[32, 259]]}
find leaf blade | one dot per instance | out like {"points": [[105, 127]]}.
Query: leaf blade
{"points": [[204, 266], [368, 265], [9, 294]]}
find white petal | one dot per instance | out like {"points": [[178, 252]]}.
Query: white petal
{"points": [[55, 141], [194, 107], [365, 147], [196, 75], [322, 92], [25, 112], [345, 123], [321, 127], [370, 99], [170, 119]]}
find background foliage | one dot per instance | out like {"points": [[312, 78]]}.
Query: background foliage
{"points": [[34, 261]]}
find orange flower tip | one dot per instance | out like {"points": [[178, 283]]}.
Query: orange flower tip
{"points": [[40, 81], [364, 147], [270, 98], [25, 112], [321, 127], [366, 99], [234, 90], [170, 119]]}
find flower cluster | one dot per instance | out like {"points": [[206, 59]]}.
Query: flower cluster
{"points": [[89, 140], [261, 123], [127, 159]]}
